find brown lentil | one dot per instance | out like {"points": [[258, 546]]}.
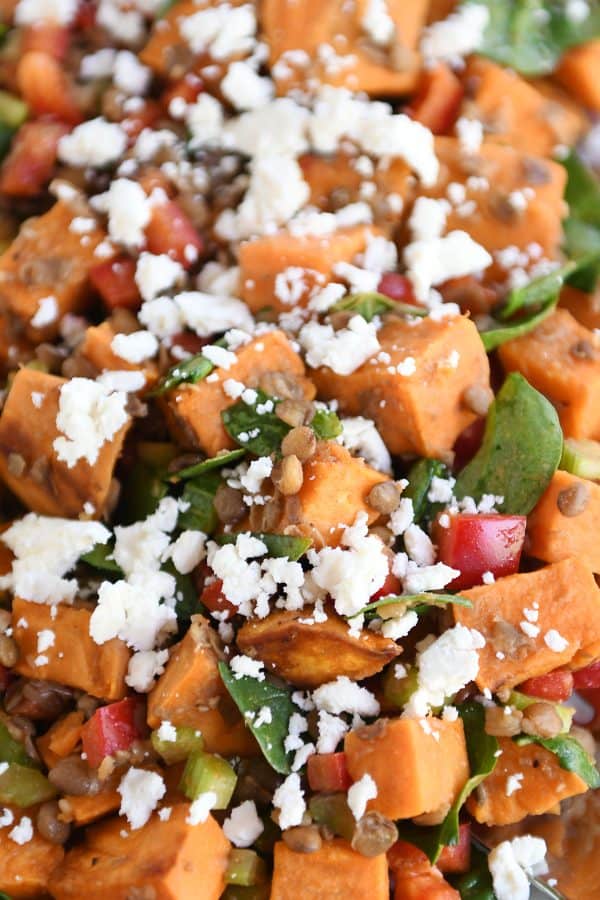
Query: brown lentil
{"points": [[573, 500], [339, 320], [502, 721], [292, 412], [266, 517], [72, 775], [281, 385], [229, 505], [37, 700], [478, 398], [582, 350], [374, 834], [303, 838], [291, 475], [50, 826], [541, 720], [9, 652], [300, 442], [384, 497], [15, 464]]}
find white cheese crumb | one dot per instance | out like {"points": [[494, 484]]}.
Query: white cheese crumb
{"points": [[514, 783], [243, 825], [166, 732], [360, 437], [46, 313], [156, 273], [200, 808], [245, 666], [135, 347], [359, 795], [345, 695], [128, 209], [140, 792], [32, 12], [23, 832], [144, 667], [129, 75], [95, 143], [244, 88], [289, 800], [222, 31], [89, 415], [343, 351], [188, 551], [555, 641], [511, 861], [456, 36]]}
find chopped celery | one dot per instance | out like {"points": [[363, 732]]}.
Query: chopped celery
{"points": [[206, 772], [581, 457], [333, 811], [399, 690], [13, 111], [246, 868], [187, 741], [522, 701], [13, 751], [24, 787], [239, 892]]}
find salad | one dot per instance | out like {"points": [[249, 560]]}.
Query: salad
{"points": [[299, 447]]}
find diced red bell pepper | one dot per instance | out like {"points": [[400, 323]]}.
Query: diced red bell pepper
{"points": [[391, 585], [468, 443], [213, 598], [437, 102], [45, 87], [475, 544], [187, 89], [589, 677], [170, 231], [49, 37], [115, 282], [189, 342], [555, 686], [397, 287], [328, 772], [111, 728], [457, 857], [415, 877], [30, 163], [86, 15]]}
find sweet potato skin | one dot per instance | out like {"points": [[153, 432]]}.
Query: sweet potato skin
{"points": [[309, 655], [336, 871], [25, 868], [498, 614], [415, 772], [74, 659], [544, 784]]}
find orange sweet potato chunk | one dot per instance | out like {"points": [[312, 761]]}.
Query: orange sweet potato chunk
{"points": [[95, 348], [423, 412], [312, 654], [84, 810], [417, 767], [543, 785], [25, 868], [194, 410], [48, 259], [61, 738], [262, 260], [561, 359], [583, 307], [568, 601], [27, 432], [578, 72], [74, 659], [554, 536], [168, 860], [310, 25], [336, 871]]}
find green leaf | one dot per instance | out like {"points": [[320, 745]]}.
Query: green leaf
{"points": [[190, 371], [13, 751], [520, 451], [476, 884], [495, 337], [100, 557], [250, 695], [582, 227], [186, 595], [371, 304], [326, 425], [207, 465], [24, 786], [200, 494], [143, 489], [259, 432], [419, 602], [570, 754], [419, 482], [530, 36], [277, 544]]}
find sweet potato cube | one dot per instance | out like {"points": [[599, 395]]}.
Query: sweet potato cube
{"points": [[554, 536], [335, 871], [171, 860], [47, 258], [561, 359], [96, 349], [61, 739], [417, 767], [262, 260], [194, 410], [543, 784], [310, 25], [74, 659], [312, 654], [28, 429], [578, 72], [422, 412], [25, 868], [83, 810], [583, 307], [567, 602]]}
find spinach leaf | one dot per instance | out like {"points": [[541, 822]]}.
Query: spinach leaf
{"points": [[481, 750], [476, 884], [530, 36], [419, 602], [582, 227], [250, 695], [186, 596], [570, 754], [190, 371], [371, 304], [207, 465], [143, 489], [326, 425], [100, 557], [520, 451], [277, 544], [496, 336], [200, 494], [419, 482], [259, 432]]}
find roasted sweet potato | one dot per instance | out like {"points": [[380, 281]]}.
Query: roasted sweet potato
{"points": [[578, 72], [518, 647], [336, 871], [170, 860], [438, 99], [96, 349], [544, 784], [309, 654], [194, 410], [74, 659], [27, 432], [561, 359], [25, 868], [423, 412], [414, 876], [86, 809], [417, 765], [583, 307], [61, 739]]}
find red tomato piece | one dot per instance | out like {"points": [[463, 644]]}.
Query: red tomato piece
{"points": [[438, 100], [115, 282], [328, 772], [397, 287], [46, 88], [588, 677], [213, 598], [48, 37], [189, 342], [476, 544], [30, 163], [556, 686], [170, 231], [111, 728], [415, 877], [468, 443], [86, 15], [457, 857], [391, 585]]}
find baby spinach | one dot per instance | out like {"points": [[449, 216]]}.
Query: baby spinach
{"points": [[419, 602], [100, 557], [143, 489], [419, 483], [520, 451], [200, 494], [582, 227], [326, 425], [250, 695], [371, 304], [260, 432], [476, 884], [207, 465], [570, 755], [530, 36], [283, 545], [190, 371]]}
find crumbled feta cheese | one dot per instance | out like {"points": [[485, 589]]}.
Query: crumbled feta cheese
{"points": [[219, 356], [428, 218], [128, 209], [6, 816], [95, 143], [331, 731], [470, 135], [244, 88], [207, 314], [359, 795], [377, 23], [162, 317], [278, 128], [343, 351], [245, 666], [98, 65], [124, 25], [402, 517], [456, 36], [133, 612], [46, 313], [243, 825], [448, 664], [166, 732], [530, 630], [156, 273], [23, 832], [188, 551], [418, 579], [433, 261], [344, 695], [32, 12], [419, 546], [222, 31], [258, 470], [204, 118], [555, 641], [488, 578], [46, 638], [289, 800], [140, 792], [399, 626], [129, 75], [135, 347], [89, 415], [200, 808], [509, 864], [164, 814], [514, 783], [360, 437], [440, 489]]}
